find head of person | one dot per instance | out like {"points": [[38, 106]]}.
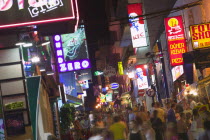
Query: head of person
{"points": [[142, 108], [139, 121], [133, 125], [51, 137], [153, 104], [155, 113], [190, 98], [157, 104], [195, 112], [182, 116], [133, 18], [139, 73], [130, 110], [116, 119], [188, 115], [173, 106]]}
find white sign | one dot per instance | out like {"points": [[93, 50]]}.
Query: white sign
{"points": [[141, 76], [177, 71]]}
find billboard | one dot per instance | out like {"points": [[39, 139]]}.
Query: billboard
{"points": [[71, 51], [177, 71], [200, 35], [176, 39], [141, 76], [137, 28], [21, 12]]}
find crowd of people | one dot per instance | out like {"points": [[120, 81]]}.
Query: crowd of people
{"points": [[171, 121]]}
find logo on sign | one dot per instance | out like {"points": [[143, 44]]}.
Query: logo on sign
{"points": [[114, 85]]}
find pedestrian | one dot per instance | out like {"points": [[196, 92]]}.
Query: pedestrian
{"points": [[157, 125], [135, 133], [192, 103], [97, 134], [118, 129], [171, 117], [182, 127], [131, 115], [206, 134]]}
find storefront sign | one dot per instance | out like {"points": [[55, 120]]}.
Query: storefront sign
{"points": [[176, 39], [109, 71], [177, 71], [64, 64], [141, 76], [120, 68], [114, 85], [15, 105], [200, 35], [22, 12], [137, 25]]}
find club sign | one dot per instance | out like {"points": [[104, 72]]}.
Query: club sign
{"points": [[28, 12], [64, 66]]}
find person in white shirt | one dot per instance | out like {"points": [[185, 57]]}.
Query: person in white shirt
{"points": [[192, 103]]}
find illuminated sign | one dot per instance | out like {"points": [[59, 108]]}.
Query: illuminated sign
{"points": [[120, 68], [137, 25], [63, 65], [200, 35], [141, 76], [114, 85], [97, 73], [21, 12], [176, 39], [177, 71]]}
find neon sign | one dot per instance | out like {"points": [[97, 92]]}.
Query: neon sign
{"points": [[64, 66], [23, 13]]}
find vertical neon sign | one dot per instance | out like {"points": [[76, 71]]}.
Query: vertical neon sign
{"points": [[69, 65]]}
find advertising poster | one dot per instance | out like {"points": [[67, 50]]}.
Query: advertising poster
{"points": [[15, 124], [141, 76], [28, 12], [200, 35], [176, 39], [177, 71], [74, 45], [69, 83], [71, 51], [137, 28]]}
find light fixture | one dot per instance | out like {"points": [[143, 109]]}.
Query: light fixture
{"points": [[145, 66], [45, 43], [49, 72], [20, 43], [28, 45], [35, 59], [131, 75]]}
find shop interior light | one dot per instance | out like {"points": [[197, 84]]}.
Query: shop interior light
{"points": [[20, 43], [45, 43], [49, 72], [35, 59], [145, 66], [28, 45], [130, 75]]}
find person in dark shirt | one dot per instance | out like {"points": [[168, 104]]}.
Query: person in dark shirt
{"points": [[157, 125]]}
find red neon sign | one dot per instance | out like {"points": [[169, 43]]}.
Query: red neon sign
{"points": [[38, 13], [176, 39]]}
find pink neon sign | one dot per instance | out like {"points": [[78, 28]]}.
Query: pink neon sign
{"points": [[35, 12]]}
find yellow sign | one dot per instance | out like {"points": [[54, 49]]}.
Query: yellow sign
{"points": [[200, 35], [120, 68]]}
